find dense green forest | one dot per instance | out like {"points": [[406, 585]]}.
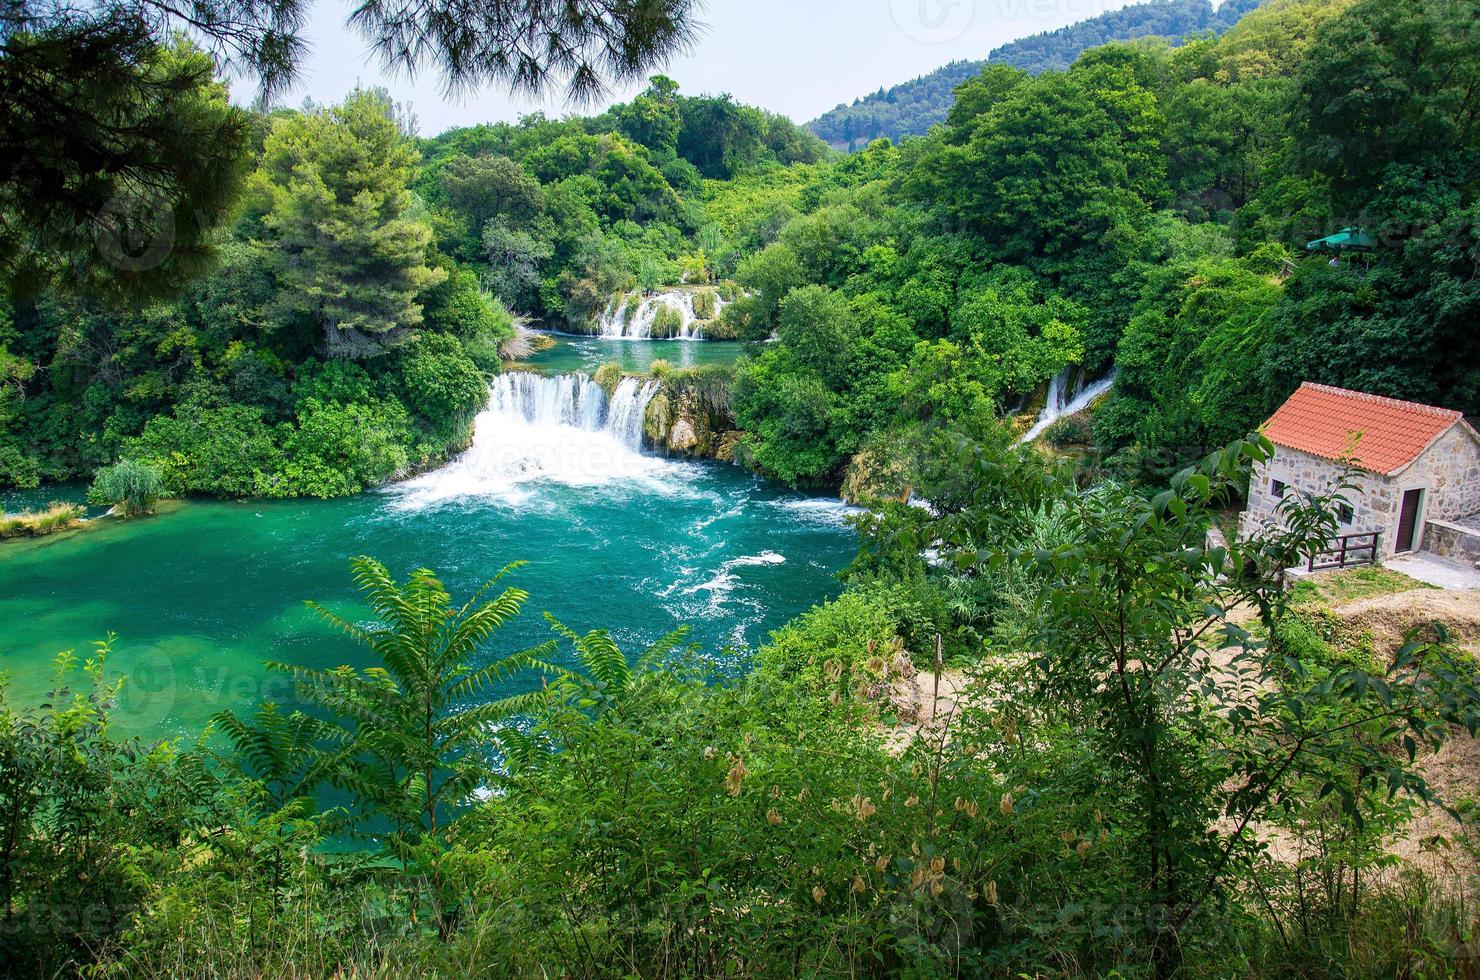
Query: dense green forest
{"points": [[355, 311], [911, 108], [941, 281], [1143, 715]]}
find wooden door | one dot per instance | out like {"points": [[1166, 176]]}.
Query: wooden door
{"points": [[1408, 519]]}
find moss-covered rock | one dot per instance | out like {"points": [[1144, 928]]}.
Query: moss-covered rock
{"points": [[609, 375], [721, 328], [704, 304], [690, 416], [667, 322], [657, 420]]}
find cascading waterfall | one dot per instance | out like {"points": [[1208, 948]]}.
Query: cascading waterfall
{"points": [[562, 429], [622, 320], [628, 406], [567, 399], [1068, 394]]}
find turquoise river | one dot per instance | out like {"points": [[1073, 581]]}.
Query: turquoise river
{"points": [[201, 594]]}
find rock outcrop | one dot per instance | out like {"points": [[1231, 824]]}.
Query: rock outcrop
{"points": [[690, 416]]}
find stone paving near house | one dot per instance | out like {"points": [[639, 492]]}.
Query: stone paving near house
{"points": [[1433, 570]]}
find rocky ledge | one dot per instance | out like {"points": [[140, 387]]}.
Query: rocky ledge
{"points": [[690, 416]]}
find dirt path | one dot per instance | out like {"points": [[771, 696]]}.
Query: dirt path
{"points": [[1454, 771], [923, 701]]}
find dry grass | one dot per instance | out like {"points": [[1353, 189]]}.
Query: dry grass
{"points": [[1350, 584], [1434, 841], [31, 524], [1389, 619]]}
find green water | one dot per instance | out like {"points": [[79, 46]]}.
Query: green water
{"points": [[202, 593], [636, 356]]}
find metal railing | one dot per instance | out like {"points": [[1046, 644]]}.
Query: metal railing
{"points": [[1347, 550]]}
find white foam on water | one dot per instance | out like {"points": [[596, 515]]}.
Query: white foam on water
{"points": [[562, 430], [823, 510]]}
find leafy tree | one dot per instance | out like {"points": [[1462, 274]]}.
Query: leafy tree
{"points": [[129, 146], [1195, 720], [119, 156], [1387, 86], [1059, 162], [202, 450], [514, 261], [720, 136], [132, 487], [786, 411], [653, 118], [348, 249], [441, 382], [1182, 382], [772, 273], [486, 187]]}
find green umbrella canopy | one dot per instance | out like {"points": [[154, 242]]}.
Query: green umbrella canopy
{"points": [[1351, 239]]}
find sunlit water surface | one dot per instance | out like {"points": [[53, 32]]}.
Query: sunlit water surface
{"points": [[203, 593]]}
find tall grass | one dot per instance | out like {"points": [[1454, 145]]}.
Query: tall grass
{"points": [[31, 524]]}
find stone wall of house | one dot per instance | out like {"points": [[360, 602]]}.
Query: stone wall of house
{"points": [[1373, 502], [1450, 472], [1451, 540]]}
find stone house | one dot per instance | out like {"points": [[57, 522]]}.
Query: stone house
{"points": [[1417, 469]]}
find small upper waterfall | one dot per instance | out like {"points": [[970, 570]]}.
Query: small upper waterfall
{"points": [[667, 314], [563, 429], [1068, 394]]}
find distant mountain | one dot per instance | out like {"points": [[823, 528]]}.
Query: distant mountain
{"points": [[911, 108]]}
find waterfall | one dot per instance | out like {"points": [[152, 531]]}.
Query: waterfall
{"points": [[623, 320], [568, 399], [1067, 395], [562, 429], [629, 405]]}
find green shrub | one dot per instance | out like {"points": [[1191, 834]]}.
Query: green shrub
{"points": [[337, 450], [95, 821], [215, 451], [609, 375], [842, 641], [130, 487], [660, 367], [1069, 430], [704, 304], [442, 384], [667, 322]]}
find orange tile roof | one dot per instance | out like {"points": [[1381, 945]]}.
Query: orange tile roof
{"points": [[1323, 421]]}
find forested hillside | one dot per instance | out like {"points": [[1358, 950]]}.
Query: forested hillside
{"points": [[937, 283], [911, 108], [1048, 725], [354, 314]]}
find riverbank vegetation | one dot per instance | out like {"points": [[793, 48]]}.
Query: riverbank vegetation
{"points": [[936, 284], [34, 523], [639, 813]]}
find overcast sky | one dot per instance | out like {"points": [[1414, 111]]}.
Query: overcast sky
{"points": [[797, 57]]}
